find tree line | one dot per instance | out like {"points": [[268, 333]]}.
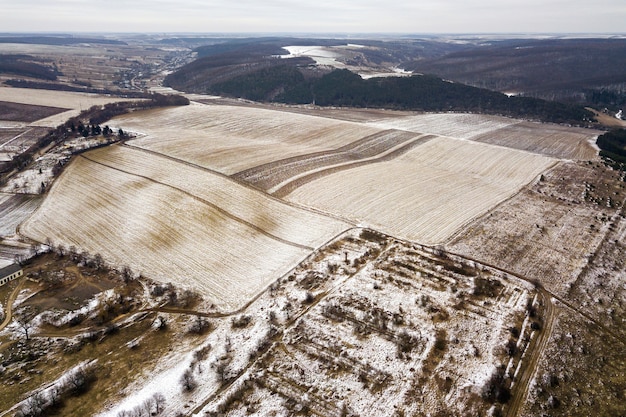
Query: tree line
{"points": [[94, 116], [287, 83]]}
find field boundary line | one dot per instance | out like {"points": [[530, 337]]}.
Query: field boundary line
{"points": [[263, 175], [462, 228], [242, 183]]}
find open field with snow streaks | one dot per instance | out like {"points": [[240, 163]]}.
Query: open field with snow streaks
{"points": [[273, 174], [183, 238], [427, 194], [269, 215], [551, 140], [14, 209], [547, 139], [456, 125], [218, 136]]}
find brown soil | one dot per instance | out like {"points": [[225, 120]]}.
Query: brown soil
{"points": [[25, 112]]}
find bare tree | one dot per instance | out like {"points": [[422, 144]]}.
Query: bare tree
{"points": [[23, 318], [159, 402], [80, 380], [188, 381]]}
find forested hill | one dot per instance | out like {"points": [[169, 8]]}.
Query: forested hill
{"points": [[286, 83]]}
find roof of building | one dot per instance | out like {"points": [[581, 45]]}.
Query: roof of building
{"points": [[8, 270]]}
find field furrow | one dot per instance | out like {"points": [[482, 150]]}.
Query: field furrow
{"points": [[551, 140], [456, 125], [286, 187], [14, 209], [274, 173]]}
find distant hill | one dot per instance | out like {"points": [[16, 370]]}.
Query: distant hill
{"points": [[297, 81], [26, 66], [585, 71]]}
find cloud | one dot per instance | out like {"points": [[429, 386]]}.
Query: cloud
{"points": [[450, 16]]}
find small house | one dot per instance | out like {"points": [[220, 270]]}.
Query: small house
{"points": [[9, 273]]}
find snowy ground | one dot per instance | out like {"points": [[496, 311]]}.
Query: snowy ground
{"points": [[365, 324]]}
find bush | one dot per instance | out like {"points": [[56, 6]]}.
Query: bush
{"points": [[495, 388], [241, 321], [199, 326], [188, 381]]}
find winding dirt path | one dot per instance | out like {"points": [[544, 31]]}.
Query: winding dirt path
{"points": [[9, 307]]}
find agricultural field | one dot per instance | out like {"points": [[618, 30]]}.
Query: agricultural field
{"points": [[428, 193], [546, 139], [309, 261], [192, 227], [217, 136], [14, 209], [25, 112], [551, 140], [14, 140], [71, 101], [279, 177]]}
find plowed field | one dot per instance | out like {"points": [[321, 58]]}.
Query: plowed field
{"points": [[175, 223]]}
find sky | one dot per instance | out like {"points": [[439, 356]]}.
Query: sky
{"points": [[314, 16]]}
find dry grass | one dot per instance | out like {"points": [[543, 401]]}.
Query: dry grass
{"points": [[551, 229]]}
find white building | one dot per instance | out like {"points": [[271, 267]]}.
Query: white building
{"points": [[9, 273]]}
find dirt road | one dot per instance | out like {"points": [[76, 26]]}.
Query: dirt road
{"points": [[535, 349], [9, 307]]}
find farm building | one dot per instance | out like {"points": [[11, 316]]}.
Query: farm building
{"points": [[9, 273]]}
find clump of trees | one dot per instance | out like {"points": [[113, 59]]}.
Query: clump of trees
{"points": [[151, 406], [613, 146]]}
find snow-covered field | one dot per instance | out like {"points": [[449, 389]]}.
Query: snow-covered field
{"points": [[230, 139], [456, 125], [546, 139], [364, 326], [14, 209], [427, 194], [175, 223]]}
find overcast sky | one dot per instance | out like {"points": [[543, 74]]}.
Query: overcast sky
{"points": [[315, 16]]}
